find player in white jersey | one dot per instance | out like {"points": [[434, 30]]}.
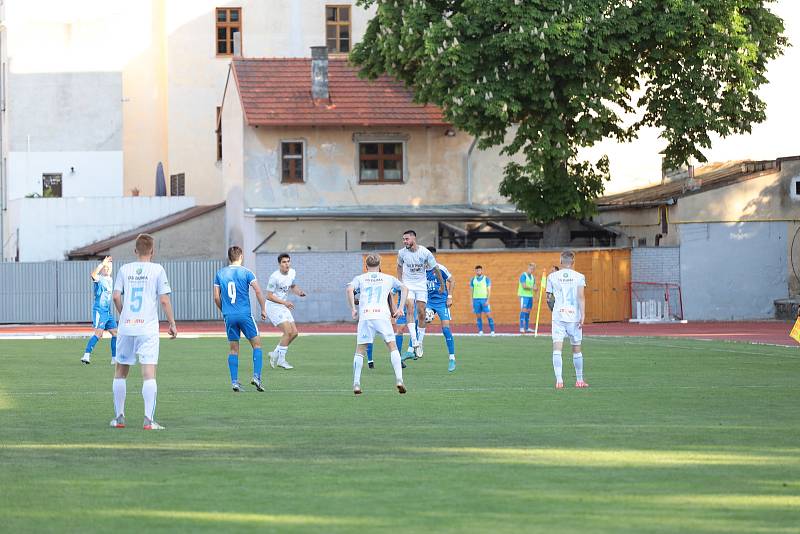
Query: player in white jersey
{"points": [[279, 308], [138, 290], [413, 262], [374, 316], [565, 289]]}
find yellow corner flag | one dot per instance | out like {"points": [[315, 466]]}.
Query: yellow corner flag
{"points": [[795, 333], [539, 304]]}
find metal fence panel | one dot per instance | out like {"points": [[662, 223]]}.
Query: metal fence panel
{"points": [[28, 294], [61, 292]]}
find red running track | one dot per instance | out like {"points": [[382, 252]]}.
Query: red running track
{"points": [[770, 332]]}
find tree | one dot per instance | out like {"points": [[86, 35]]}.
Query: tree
{"points": [[555, 76]]}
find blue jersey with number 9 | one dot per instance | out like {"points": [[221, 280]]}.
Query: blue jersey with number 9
{"points": [[234, 287]]}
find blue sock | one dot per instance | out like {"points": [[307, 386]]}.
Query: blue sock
{"points": [[233, 366], [480, 324], [369, 352], [90, 345], [258, 362], [398, 339], [448, 339], [527, 320], [113, 346], [522, 320], [491, 324]]}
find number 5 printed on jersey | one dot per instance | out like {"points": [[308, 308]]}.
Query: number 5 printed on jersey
{"points": [[136, 299]]}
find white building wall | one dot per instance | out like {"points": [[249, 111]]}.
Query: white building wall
{"points": [[84, 174], [51, 227]]}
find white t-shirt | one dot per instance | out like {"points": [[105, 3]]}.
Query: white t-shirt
{"points": [[279, 284], [564, 286], [415, 265], [374, 289], [141, 283]]}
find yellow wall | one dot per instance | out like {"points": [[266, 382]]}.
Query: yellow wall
{"points": [[607, 277]]}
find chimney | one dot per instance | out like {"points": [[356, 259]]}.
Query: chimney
{"points": [[319, 72]]}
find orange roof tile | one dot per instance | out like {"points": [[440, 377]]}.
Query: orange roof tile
{"points": [[277, 92]]}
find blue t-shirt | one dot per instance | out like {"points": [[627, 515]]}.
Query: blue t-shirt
{"points": [[436, 299], [102, 294], [234, 287]]}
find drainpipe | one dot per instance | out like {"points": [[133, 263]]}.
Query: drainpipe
{"points": [[469, 171]]}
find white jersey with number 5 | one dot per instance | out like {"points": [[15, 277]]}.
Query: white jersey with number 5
{"points": [[141, 283], [374, 289], [564, 286]]}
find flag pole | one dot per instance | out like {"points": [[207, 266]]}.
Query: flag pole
{"points": [[539, 305]]}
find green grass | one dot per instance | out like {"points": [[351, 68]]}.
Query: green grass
{"points": [[672, 436]]}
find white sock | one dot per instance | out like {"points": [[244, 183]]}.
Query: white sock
{"points": [[420, 334], [358, 363], [281, 353], [396, 365], [577, 361], [452, 356], [412, 332], [557, 365], [120, 389], [149, 390]]}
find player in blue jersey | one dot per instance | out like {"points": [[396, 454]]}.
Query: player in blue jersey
{"points": [[440, 303], [102, 315], [232, 296]]}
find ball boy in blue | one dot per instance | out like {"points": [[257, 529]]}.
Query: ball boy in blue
{"points": [[232, 296], [102, 315]]}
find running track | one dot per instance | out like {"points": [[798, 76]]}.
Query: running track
{"points": [[769, 332]]}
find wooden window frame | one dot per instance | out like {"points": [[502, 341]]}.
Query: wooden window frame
{"points": [[338, 25], [177, 185], [381, 157], [293, 161], [228, 26]]}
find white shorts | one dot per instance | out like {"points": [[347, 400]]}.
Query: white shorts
{"points": [[367, 328], [417, 294], [144, 347], [563, 329], [278, 314]]}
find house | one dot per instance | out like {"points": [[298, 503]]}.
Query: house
{"points": [[735, 225], [316, 158]]}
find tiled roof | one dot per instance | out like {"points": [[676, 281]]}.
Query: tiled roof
{"points": [[100, 247], [277, 92], [707, 177]]}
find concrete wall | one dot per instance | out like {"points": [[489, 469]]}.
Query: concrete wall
{"points": [[83, 174], [201, 238], [733, 271], [51, 227]]}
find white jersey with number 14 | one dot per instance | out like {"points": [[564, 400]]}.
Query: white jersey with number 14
{"points": [[564, 286]]}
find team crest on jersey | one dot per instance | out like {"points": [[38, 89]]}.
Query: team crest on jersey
{"points": [[373, 275], [566, 275], [139, 270]]}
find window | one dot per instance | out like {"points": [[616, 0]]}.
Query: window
{"points": [[377, 245], [177, 185], [229, 23], [291, 161], [337, 28], [380, 162], [794, 188], [219, 133], [51, 185]]}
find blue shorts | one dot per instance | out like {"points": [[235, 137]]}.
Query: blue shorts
{"points": [[525, 303], [103, 320], [441, 310], [480, 306], [245, 324]]}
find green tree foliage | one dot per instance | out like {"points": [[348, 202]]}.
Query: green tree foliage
{"points": [[544, 78]]}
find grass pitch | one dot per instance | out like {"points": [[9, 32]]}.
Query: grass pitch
{"points": [[672, 436]]}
